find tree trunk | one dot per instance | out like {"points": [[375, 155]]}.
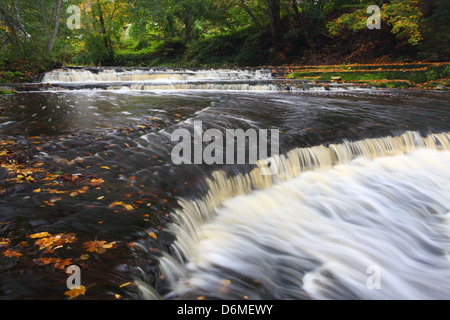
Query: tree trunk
{"points": [[52, 40], [106, 38], [274, 18], [188, 28], [427, 8], [299, 18], [10, 17], [255, 20], [44, 16]]}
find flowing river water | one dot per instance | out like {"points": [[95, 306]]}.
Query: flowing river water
{"points": [[359, 207]]}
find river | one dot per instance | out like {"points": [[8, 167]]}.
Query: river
{"points": [[358, 208]]}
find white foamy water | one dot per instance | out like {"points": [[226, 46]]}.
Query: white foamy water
{"points": [[321, 226], [150, 75], [165, 79]]}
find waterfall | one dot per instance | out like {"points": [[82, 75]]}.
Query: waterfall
{"points": [[163, 79], [318, 228], [150, 75]]}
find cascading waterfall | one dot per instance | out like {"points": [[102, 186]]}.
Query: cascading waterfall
{"points": [[321, 225], [163, 79], [150, 74]]}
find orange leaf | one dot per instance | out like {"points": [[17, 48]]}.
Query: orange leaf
{"points": [[4, 241], [110, 245], [115, 203], [129, 207], [75, 292], [62, 263], [45, 261], [12, 253], [96, 182], [39, 235], [51, 242], [92, 246]]}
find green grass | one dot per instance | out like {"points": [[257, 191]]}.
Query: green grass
{"points": [[7, 92], [370, 74]]}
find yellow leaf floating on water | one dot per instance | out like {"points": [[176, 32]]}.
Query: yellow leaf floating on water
{"points": [[226, 282], [39, 235], [75, 292], [109, 245], [115, 203], [124, 284], [96, 182], [51, 242], [129, 207], [4, 242]]}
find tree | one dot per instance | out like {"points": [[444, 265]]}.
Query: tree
{"points": [[310, 17], [405, 19], [101, 30], [252, 16], [436, 38], [273, 8], [171, 17], [52, 40]]}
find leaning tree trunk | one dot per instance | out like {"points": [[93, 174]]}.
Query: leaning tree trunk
{"points": [[250, 13], [58, 9]]}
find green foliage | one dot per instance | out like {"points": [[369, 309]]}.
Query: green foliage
{"points": [[6, 92], [208, 32], [254, 50], [160, 53], [216, 49], [436, 38], [391, 78], [404, 18]]}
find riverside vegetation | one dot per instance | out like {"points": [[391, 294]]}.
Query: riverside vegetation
{"points": [[409, 50]]}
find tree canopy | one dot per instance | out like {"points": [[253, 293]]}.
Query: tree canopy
{"points": [[242, 32]]}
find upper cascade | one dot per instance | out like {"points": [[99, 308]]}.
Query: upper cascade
{"points": [[103, 74]]}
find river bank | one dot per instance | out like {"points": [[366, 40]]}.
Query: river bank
{"points": [[434, 76], [419, 75]]}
